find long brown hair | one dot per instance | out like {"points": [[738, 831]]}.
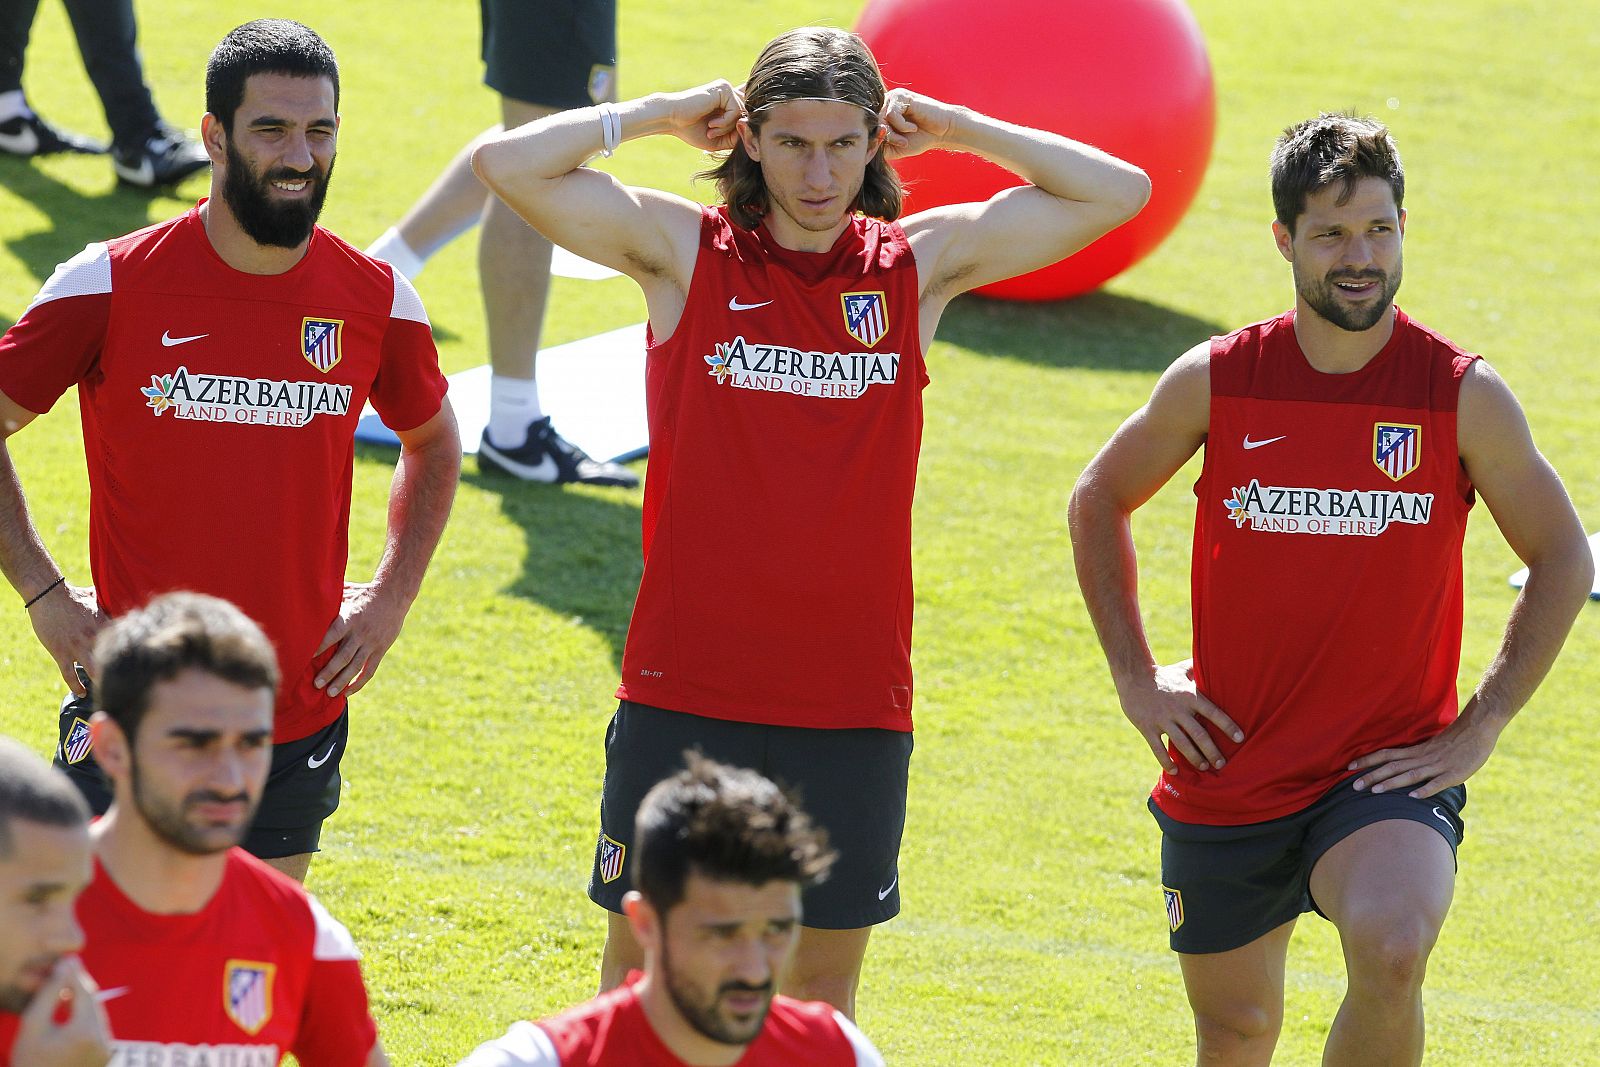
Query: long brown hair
{"points": [[813, 62]]}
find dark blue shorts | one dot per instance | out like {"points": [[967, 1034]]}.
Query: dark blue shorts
{"points": [[1225, 886], [851, 782], [553, 53], [302, 787]]}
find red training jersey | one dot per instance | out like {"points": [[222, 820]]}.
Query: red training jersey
{"points": [[260, 971], [218, 411], [785, 423], [1327, 565], [612, 1030]]}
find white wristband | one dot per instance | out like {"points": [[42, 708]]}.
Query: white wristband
{"points": [[610, 129]]}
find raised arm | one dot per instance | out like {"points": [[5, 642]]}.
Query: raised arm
{"points": [[1141, 457], [1531, 507], [649, 235], [1076, 194]]}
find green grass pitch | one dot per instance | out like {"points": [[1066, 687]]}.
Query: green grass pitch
{"points": [[1033, 930]]}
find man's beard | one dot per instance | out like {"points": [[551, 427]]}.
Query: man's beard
{"points": [[1323, 297], [278, 224], [704, 1017], [168, 822]]}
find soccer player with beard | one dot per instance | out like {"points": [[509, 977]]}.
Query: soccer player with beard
{"points": [[222, 361], [722, 855], [49, 1016], [785, 372], [1313, 752], [203, 953]]}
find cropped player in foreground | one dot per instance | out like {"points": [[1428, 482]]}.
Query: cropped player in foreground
{"points": [[784, 381], [1314, 755], [203, 953], [49, 1016], [222, 361], [722, 855]]}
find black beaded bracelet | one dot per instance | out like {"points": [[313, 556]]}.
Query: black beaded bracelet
{"points": [[42, 593]]}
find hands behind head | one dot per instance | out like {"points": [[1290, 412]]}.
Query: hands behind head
{"points": [[708, 117], [913, 123]]}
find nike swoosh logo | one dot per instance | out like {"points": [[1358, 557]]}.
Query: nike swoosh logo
{"points": [[886, 890], [313, 762], [1444, 819], [112, 994], [1249, 444], [734, 305], [167, 340]]}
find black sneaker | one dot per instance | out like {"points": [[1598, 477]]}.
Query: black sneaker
{"points": [[165, 158], [549, 457], [29, 135]]}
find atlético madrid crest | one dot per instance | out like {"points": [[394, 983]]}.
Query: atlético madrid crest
{"points": [[866, 316], [609, 858], [75, 749], [1396, 448], [247, 993], [1174, 908], [319, 342]]}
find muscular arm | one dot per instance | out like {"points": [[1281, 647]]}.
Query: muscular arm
{"points": [[648, 235], [66, 618], [1076, 194], [370, 618], [1537, 519], [1144, 453]]}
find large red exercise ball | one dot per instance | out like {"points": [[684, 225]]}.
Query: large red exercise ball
{"points": [[1130, 77]]}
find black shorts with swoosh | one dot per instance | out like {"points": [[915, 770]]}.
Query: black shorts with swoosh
{"points": [[302, 787]]}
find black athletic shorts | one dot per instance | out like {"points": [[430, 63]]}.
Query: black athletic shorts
{"points": [[302, 787], [554, 53], [1225, 886], [851, 782]]}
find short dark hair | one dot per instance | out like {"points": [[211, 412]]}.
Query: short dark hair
{"points": [[265, 46], [32, 790], [725, 823], [174, 633], [1333, 147], [811, 63]]}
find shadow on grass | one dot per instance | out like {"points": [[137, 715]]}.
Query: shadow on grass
{"points": [[76, 219], [582, 556], [1099, 331]]}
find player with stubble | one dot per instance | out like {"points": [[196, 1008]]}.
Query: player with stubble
{"points": [[205, 953], [784, 377], [1314, 754], [723, 854], [223, 359], [49, 1012]]}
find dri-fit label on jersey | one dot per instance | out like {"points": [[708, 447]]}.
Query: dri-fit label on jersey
{"points": [[779, 369], [1336, 512], [252, 401]]}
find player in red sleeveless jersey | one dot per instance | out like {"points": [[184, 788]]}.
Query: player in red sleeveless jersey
{"points": [[784, 381], [49, 1016], [1313, 755], [721, 856], [203, 953], [222, 361]]}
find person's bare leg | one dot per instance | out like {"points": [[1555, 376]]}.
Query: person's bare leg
{"points": [[622, 952], [1387, 887], [452, 205], [514, 273], [295, 867], [827, 967], [1237, 999]]}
